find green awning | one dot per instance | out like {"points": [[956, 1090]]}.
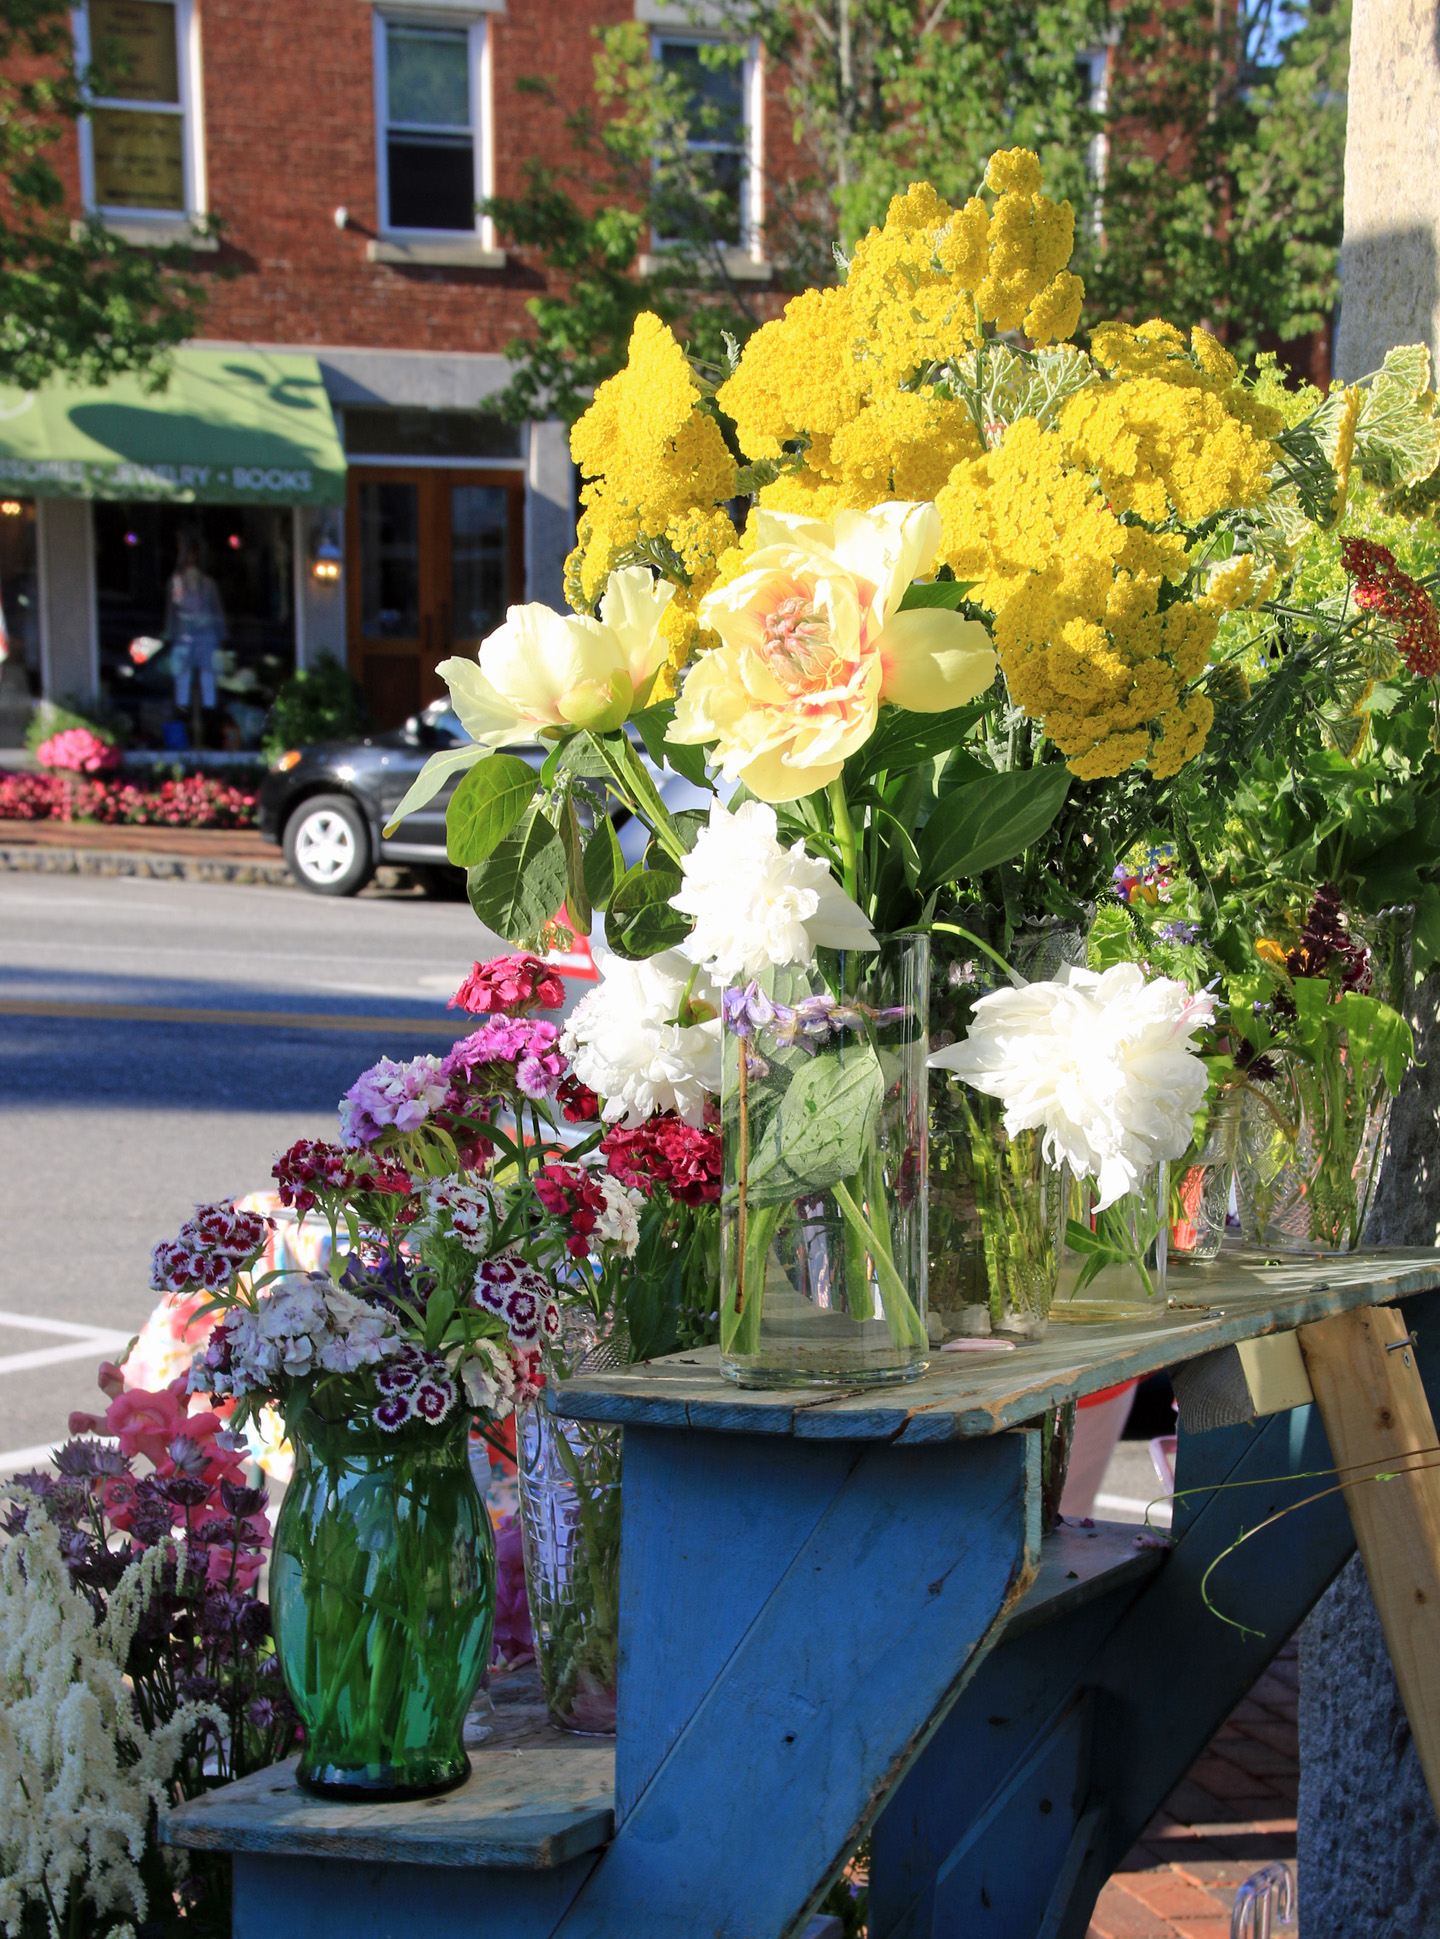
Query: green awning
{"points": [[233, 427]]}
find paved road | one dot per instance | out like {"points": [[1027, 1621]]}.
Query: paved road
{"points": [[111, 1129]]}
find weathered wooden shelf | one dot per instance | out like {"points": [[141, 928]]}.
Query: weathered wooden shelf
{"points": [[535, 1798], [972, 1393]]}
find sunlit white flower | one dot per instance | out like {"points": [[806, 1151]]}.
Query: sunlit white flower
{"points": [[619, 1224], [490, 1378], [1104, 1064], [758, 905], [624, 1042]]}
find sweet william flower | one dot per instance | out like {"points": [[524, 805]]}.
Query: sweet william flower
{"points": [[758, 905], [813, 641], [1103, 1064]]}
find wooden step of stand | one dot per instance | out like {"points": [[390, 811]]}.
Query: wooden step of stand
{"points": [[1368, 1389]]}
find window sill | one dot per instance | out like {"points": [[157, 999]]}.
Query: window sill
{"points": [[740, 266], [462, 254], [155, 231]]}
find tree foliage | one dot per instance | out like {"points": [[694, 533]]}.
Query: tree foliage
{"points": [[78, 302]]}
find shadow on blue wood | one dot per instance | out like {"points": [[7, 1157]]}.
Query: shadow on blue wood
{"points": [[298, 1898], [790, 1679], [958, 1851]]}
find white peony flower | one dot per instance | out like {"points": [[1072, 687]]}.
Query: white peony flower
{"points": [[622, 1040], [1104, 1064], [619, 1224], [758, 905]]}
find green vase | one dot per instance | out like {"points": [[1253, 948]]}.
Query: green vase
{"points": [[382, 1591]]}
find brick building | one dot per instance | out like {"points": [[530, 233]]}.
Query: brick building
{"points": [[326, 444]]}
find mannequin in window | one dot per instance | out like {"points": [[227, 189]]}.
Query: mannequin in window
{"points": [[196, 626]]}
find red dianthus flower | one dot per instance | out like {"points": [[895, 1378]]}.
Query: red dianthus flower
{"points": [[509, 985]]}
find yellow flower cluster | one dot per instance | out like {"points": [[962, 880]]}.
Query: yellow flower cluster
{"points": [[1077, 530], [656, 470], [1076, 593]]}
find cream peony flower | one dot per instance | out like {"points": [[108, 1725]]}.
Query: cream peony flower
{"points": [[547, 669], [758, 905], [1103, 1063], [813, 641], [623, 1041]]}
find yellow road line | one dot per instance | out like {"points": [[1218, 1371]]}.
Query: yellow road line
{"points": [[21, 1006]]}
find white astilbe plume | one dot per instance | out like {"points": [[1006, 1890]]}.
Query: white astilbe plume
{"points": [[758, 905], [79, 1773], [1104, 1064], [623, 1041]]}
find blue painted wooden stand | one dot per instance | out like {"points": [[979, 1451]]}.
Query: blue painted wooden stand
{"points": [[838, 1617]]}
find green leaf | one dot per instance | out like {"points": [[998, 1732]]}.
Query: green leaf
{"points": [[652, 725], [521, 886], [903, 741], [486, 806], [580, 756], [572, 840], [991, 821], [639, 921], [604, 864], [432, 778], [946, 593], [819, 1134], [688, 823]]}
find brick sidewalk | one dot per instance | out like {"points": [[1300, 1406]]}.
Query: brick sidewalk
{"points": [[1233, 1812]]}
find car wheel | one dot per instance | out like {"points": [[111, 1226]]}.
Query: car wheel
{"points": [[327, 846]]}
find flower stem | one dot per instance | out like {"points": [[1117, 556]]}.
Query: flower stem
{"points": [[954, 929], [742, 1164], [844, 835]]}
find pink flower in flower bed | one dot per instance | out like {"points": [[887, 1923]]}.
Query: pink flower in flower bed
{"points": [[79, 751], [196, 802]]}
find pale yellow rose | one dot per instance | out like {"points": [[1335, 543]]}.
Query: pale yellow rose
{"points": [[813, 642], [542, 669]]}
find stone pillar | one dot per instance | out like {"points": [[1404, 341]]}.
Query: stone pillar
{"points": [[549, 513], [1369, 1845], [69, 649], [1390, 281]]}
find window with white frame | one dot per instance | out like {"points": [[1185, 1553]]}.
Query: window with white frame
{"points": [[430, 104], [715, 199], [139, 141]]}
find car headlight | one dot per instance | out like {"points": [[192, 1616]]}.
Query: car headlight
{"points": [[283, 763]]}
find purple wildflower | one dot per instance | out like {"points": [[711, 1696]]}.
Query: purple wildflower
{"points": [[391, 1095]]}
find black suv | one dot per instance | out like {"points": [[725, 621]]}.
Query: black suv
{"points": [[326, 805]]}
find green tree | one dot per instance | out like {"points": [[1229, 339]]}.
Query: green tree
{"points": [[1223, 190], [80, 303]]}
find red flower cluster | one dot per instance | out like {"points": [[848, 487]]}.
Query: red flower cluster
{"points": [[195, 802], [666, 1151], [309, 1171], [580, 1104], [509, 985], [208, 1250], [1381, 587], [571, 1193]]}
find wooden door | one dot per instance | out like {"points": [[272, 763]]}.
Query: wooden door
{"points": [[435, 557]]}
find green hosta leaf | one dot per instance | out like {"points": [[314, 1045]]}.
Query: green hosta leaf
{"points": [[988, 822], [819, 1134], [652, 724], [486, 806], [945, 593], [639, 921], [432, 778], [520, 887], [903, 741], [604, 865]]}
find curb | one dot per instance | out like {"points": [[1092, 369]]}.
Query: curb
{"points": [[173, 868]]}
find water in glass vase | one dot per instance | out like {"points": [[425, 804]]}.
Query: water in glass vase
{"points": [[823, 1216], [382, 1590]]}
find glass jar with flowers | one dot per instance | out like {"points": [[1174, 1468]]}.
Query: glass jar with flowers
{"points": [[1095, 1071]]}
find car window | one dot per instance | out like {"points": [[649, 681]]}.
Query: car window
{"points": [[442, 725]]}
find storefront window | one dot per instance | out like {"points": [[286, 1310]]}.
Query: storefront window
{"points": [[248, 553], [19, 598]]}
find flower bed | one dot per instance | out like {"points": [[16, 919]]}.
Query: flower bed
{"points": [[194, 802]]}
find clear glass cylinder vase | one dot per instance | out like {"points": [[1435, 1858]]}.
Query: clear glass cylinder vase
{"points": [[570, 1526], [823, 1213], [382, 1593], [1116, 1257], [965, 1294], [1202, 1181], [1016, 1204]]}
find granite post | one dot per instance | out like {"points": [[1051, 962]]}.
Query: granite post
{"points": [[1369, 1845]]}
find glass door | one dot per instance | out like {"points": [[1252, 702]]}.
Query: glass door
{"points": [[436, 556]]}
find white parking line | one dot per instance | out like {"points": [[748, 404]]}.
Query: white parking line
{"points": [[20, 1460], [70, 1329], [52, 1356]]}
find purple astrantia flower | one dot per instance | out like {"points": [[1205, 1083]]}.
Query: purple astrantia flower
{"points": [[391, 1096], [526, 1044]]}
